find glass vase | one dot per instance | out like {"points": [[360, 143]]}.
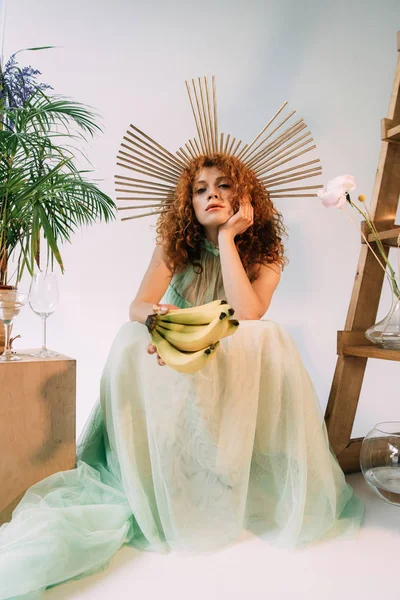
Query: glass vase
{"points": [[11, 302], [386, 333], [380, 460]]}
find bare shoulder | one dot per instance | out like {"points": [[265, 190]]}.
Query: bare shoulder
{"points": [[156, 278], [159, 258], [270, 272]]}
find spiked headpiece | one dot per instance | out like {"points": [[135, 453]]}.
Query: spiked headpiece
{"points": [[278, 143]]}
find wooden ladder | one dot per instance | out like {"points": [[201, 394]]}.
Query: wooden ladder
{"points": [[353, 348]]}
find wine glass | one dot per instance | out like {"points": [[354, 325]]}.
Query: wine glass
{"points": [[11, 302], [43, 299]]}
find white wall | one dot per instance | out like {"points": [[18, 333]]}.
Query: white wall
{"points": [[333, 61]]}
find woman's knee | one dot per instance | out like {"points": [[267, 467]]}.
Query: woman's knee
{"points": [[131, 335]]}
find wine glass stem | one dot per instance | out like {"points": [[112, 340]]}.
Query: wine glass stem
{"points": [[44, 333], [7, 330]]}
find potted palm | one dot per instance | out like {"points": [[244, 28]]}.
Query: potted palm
{"points": [[44, 197]]}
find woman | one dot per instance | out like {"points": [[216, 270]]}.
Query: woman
{"points": [[184, 462], [223, 196]]}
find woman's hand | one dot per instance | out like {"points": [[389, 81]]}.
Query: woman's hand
{"points": [[162, 309], [240, 221]]}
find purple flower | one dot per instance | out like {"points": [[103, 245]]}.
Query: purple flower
{"points": [[18, 84]]}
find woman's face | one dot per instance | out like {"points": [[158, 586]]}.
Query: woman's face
{"points": [[212, 197]]}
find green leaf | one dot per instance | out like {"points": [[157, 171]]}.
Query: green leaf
{"points": [[36, 48], [48, 232]]}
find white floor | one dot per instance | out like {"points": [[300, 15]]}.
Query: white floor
{"points": [[360, 569]]}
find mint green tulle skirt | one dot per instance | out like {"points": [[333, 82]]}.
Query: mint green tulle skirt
{"points": [[178, 462]]}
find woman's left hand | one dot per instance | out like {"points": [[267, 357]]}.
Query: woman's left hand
{"points": [[240, 221]]}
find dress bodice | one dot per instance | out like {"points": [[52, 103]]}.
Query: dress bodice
{"points": [[191, 288]]}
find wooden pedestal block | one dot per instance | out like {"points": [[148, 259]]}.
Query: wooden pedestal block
{"points": [[37, 423]]}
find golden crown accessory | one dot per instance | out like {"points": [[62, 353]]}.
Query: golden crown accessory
{"points": [[278, 143]]}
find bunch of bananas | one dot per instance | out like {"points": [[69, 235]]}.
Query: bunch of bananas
{"points": [[186, 339]]}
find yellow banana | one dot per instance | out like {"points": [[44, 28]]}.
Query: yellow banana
{"points": [[232, 327], [192, 342], [180, 327], [163, 327], [197, 315], [184, 362]]}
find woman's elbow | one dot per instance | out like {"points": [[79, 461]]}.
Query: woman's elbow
{"points": [[248, 316], [132, 312], [254, 314]]}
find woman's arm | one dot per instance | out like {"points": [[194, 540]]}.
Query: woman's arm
{"points": [[250, 300], [152, 287]]}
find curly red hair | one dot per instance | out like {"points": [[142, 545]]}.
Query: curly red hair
{"points": [[181, 234]]}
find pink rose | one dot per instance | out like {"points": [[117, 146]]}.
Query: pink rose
{"points": [[334, 199], [334, 195], [346, 182]]}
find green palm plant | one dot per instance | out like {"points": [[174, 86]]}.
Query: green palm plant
{"points": [[43, 195]]}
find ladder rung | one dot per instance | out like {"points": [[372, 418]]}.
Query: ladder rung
{"points": [[354, 343], [389, 236], [393, 134], [390, 132], [371, 352]]}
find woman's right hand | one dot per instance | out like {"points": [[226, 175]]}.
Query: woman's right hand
{"points": [[151, 349]]}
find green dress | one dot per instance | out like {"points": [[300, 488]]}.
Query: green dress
{"points": [[169, 461]]}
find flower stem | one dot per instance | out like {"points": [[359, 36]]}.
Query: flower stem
{"points": [[392, 276], [368, 244]]}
